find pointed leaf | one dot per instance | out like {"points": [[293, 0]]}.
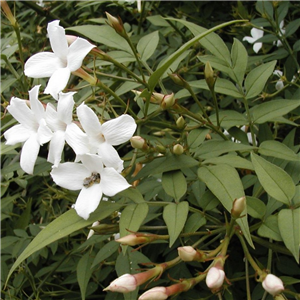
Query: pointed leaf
{"points": [[174, 184], [64, 225], [275, 181], [288, 223], [277, 149], [269, 229], [84, 273], [239, 57], [224, 182], [147, 45], [156, 76], [175, 216], [257, 78], [269, 110], [106, 251]]}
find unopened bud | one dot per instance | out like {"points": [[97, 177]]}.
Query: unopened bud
{"points": [[180, 123], [123, 284], [116, 24], [168, 101], [178, 149], [209, 76], [157, 293], [160, 148], [178, 80], [8, 13], [215, 278], [133, 240], [187, 253], [273, 285], [238, 207], [138, 142]]}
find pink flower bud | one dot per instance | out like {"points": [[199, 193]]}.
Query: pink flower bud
{"points": [[273, 285], [238, 207], [138, 142], [115, 23], [187, 253], [168, 101], [123, 284], [132, 240], [157, 293], [215, 278]]}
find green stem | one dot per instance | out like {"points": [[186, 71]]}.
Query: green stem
{"points": [[216, 106]]}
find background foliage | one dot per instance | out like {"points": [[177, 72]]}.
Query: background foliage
{"points": [[242, 138]]}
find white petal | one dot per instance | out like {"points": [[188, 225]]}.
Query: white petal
{"points": [[278, 73], [110, 156], [29, 154], [257, 33], [279, 85], [88, 200], [77, 139], [42, 65], [70, 175], [93, 162], [249, 39], [22, 113], [119, 130], [16, 134], [112, 182], [88, 120], [44, 133], [58, 39], [257, 47], [51, 117], [57, 82], [35, 105], [77, 52], [65, 107], [56, 147]]}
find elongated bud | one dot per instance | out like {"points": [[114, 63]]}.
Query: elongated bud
{"points": [[178, 149], [238, 207], [167, 101], [138, 142], [123, 284], [180, 123], [177, 79], [157, 293], [116, 24], [273, 285], [209, 76], [160, 148], [187, 253], [8, 13], [215, 278], [136, 239]]}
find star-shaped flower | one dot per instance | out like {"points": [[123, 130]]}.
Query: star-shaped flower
{"points": [[255, 35], [102, 137], [92, 179], [58, 64], [64, 129], [32, 130]]}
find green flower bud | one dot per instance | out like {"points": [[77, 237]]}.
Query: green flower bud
{"points": [[209, 76], [180, 123], [116, 24], [167, 101], [178, 149]]}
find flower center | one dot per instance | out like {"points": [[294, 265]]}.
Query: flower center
{"points": [[89, 181]]}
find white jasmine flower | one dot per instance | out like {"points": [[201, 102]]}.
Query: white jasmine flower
{"points": [[281, 33], [60, 121], [279, 84], [58, 64], [92, 179], [32, 130], [255, 35], [102, 137]]}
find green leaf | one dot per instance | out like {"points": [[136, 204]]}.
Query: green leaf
{"points": [[213, 43], [106, 251], [229, 118], [231, 160], [147, 45], [165, 164], [132, 217], [269, 110], [275, 181], [257, 78], [174, 184], [216, 63], [175, 216], [239, 57], [64, 225], [213, 148], [269, 229], [156, 76], [84, 272], [196, 137], [194, 222], [102, 34], [224, 182], [255, 207], [132, 194], [277, 149], [288, 223]]}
